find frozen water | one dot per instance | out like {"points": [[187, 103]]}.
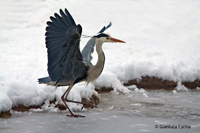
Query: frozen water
{"points": [[112, 122], [116, 114]]}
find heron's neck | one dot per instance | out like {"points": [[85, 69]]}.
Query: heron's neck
{"points": [[95, 70], [101, 56]]}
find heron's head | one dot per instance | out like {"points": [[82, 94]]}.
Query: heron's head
{"points": [[105, 37]]}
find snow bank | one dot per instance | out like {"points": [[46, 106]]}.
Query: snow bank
{"points": [[5, 102], [110, 80], [162, 41]]}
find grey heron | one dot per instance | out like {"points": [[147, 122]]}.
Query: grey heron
{"points": [[67, 65]]}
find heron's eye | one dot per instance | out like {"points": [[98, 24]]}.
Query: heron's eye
{"points": [[108, 37]]}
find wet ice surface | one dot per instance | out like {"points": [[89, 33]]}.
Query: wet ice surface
{"points": [[137, 112]]}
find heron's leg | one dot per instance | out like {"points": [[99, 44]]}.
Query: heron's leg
{"points": [[87, 105], [63, 97]]}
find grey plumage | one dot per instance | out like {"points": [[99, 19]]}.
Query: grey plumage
{"points": [[88, 50], [62, 42], [44, 80]]}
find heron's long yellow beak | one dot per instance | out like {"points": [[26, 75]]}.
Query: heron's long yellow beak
{"points": [[116, 40]]}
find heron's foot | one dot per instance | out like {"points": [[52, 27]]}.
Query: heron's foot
{"points": [[88, 105], [75, 116]]}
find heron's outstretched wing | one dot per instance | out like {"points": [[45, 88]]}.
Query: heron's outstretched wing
{"points": [[62, 42], [104, 28], [88, 50], [89, 47]]}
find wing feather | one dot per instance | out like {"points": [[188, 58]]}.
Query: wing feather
{"points": [[56, 23], [62, 42], [51, 30], [60, 20], [69, 18], [54, 27], [64, 18], [104, 28], [88, 50]]}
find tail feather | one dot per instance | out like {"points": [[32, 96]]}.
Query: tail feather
{"points": [[44, 80], [48, 81]]}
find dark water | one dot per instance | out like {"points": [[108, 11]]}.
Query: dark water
{"points": [[140, 111]]}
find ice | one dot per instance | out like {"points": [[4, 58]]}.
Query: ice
{"points": [[181, 87], [162, 40]]}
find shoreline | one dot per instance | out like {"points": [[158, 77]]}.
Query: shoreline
{"points": [[153, 83], [147, 83]]}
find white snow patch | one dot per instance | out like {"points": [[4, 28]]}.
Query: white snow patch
{"points": [[5, 102], [132, 87], [109, 79], [181, 87]]}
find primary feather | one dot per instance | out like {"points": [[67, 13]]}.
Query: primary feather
{"points": [[62, 42]]}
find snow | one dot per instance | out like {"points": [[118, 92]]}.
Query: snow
{"points": [[162, 40], [180, 87], [5, 103]]}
